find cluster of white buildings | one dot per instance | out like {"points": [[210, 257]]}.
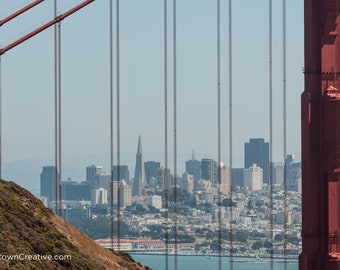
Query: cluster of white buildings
{"points": [[142, 245]]}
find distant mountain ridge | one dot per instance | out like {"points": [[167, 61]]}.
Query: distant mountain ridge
{"points": [[35, 238]]}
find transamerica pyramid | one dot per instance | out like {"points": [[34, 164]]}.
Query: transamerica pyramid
{"points": [[139, 180]]}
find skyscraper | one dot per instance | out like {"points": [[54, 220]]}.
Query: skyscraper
{"points": [[238, 177], [124, 173], [151, 168], [139, 180], [91, 172], [293, 170], [209, 170], [163, 175], [98, 196], [186, 182], [278, 173], [76, 191], [104, 181], [47, 185], [256, 151], [125, 194], [193, 167], [253, 178], [225, 178]]}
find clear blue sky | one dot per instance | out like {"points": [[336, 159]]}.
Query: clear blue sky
{"points": [[28, 82]]}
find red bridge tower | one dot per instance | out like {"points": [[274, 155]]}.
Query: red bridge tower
{"points": [[321, 137]]}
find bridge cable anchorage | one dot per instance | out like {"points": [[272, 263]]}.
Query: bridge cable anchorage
{"points": [[166, 178], [230, 131]]}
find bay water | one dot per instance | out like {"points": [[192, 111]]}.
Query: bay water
{"points": [[158, 262]]}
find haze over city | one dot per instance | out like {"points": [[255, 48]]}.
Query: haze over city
{"points": [[83, 111], [28, 74]]}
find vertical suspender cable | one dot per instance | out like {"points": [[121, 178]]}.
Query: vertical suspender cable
{"points": [[231, 132], [284, 69], [175, 132], [118, 121], [55, 112], [56, 120], [271, 134], [219, 165], [111, 123], [59, 119], [0, 118], [57, 108], [166, 176]]}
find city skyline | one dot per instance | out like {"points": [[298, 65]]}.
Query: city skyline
{"points": [[79, 174], [85, 84], [207, 170]]}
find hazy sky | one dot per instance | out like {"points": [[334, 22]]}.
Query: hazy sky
{"points": [[28, 82]]}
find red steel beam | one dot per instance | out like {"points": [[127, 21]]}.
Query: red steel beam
{"points": [[45, 26], [320, 129], [20, 11]]}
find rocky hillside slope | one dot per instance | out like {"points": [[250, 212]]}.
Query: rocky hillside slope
{"points": [[32, 237]]}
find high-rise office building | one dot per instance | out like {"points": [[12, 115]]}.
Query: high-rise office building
{"points": [[98, 196], [91, 172], [163, 175], [125, 194], [103, 180], [47, 185], [76, 191], [151, 168], [253, 178], [256, 151], [225, 178], [154, 201], [123, 171], [278, 173], [139, 180], [238, 177], [193, 167], [209, 170], [294, 174], [186, 182], [114, 195]]}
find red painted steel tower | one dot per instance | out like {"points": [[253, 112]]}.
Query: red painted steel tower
{"points": [[321, 138]]}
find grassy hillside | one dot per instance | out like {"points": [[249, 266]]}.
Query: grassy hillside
{"points": [[30, 232]]}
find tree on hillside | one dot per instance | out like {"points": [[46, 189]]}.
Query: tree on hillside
{"points": [[242, 236], [267, 244], [257, 245], [99, 227], [278, 237], [209, 236]]}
